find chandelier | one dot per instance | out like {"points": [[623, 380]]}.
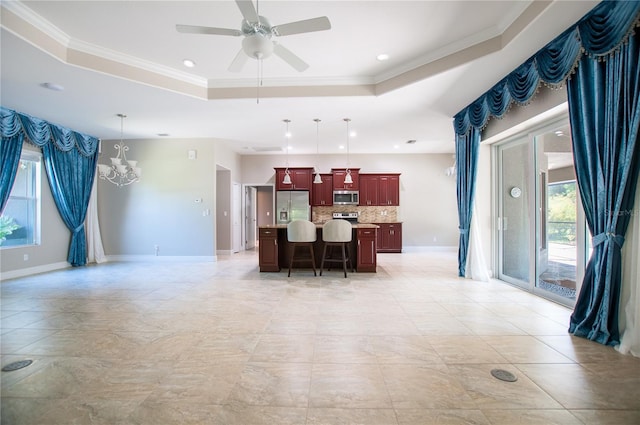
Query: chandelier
{"points": [[122, 171]]}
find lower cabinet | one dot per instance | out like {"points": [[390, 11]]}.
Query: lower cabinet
{"points": [[390, 237], [367, 243], [268, 250]]}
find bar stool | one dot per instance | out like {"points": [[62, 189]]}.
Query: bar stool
{"points": [[301, 233], [337, 233]]}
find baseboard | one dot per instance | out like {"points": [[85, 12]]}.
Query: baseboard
{"points": [[224, 252], [164, 258], [34, 270], [429, 248]]}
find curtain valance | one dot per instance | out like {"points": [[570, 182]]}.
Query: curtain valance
{"points": [[70, 160], [599, 33], [40, 132]]}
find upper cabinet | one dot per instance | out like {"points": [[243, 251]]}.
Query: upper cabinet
{"points": [[301, 178], [339, 174], [389, 189], [369, 187], [322, 193], [380, 189]]}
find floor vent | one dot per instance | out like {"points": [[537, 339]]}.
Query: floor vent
{"points": [[16, 365], [504, 375]]}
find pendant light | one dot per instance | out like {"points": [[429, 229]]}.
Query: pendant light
{"points": [[347, 178], [287, 136], [317, 179]]}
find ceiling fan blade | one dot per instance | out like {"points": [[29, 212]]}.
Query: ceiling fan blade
{"points": [[308, 25], [289, 57], [248, 10], [238, 62], [194, 29]]}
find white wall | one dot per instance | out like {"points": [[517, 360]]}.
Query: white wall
{"points": [[427, 196], [161, 208]]}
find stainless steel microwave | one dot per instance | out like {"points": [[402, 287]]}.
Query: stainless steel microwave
{"points": [[345, 197]]}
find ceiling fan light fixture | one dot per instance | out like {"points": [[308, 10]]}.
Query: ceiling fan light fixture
{"points": [[257, 46]]}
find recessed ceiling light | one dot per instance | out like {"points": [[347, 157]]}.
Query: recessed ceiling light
{"points": [[341, 147], [382, 57], [52, 86], [188, 63], [396, 146], [353, 134]]}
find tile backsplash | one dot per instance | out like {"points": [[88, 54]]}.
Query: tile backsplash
{"points": [[366, 214]]}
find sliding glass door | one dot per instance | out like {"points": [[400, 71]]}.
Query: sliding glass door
{"points": [[560, 222], [514, 207], [540, 229]]}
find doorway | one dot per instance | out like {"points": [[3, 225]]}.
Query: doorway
{"points": [[258, 206]]}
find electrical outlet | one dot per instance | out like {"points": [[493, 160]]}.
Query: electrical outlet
{"points": [[156, 249], [26, 257]]}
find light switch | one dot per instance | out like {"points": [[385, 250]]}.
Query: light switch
{"points": [[193, 154]]}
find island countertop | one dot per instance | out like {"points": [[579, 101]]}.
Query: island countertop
{"points": [[275, 249], [319, 226]]}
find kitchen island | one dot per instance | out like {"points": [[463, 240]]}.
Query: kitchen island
{"points": [[274, 247]]}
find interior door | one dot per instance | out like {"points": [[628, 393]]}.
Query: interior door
{"points": [[250, 217], [237, 217]]}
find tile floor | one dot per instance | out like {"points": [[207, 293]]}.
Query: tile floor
{"points": [[221, 343]]}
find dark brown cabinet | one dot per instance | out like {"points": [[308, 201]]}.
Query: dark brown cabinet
{"points": [[301, 178], [390, 237], [322, 193], [367, 249], [369, 187], [389, 189], [379, 189], [339, 174], [268, 250]]}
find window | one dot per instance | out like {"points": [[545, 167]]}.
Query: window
{"points": [[20, 220]]}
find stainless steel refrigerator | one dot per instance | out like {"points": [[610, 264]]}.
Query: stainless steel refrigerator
{"points": [[292, 205]]}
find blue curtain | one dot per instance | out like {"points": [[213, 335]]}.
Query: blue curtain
{"points": [[467, 159], [10, 151], [600, 32], [604, 108], [70, 162], [71, 179]]}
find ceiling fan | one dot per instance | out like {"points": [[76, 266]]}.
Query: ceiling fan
{"points": [[258, 34]]}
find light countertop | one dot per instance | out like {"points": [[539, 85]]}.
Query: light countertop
{"points": [[319, 225]]}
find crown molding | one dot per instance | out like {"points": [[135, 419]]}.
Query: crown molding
{"points": [[34, 29]]}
